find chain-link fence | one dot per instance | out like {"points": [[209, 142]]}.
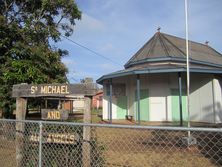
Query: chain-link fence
{"points": [[60, 144]]}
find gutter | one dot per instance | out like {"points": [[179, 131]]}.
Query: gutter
{"points": [[155, 71], [177, 59]]}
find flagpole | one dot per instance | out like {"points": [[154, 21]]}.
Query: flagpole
{"points": [[188, 69]]}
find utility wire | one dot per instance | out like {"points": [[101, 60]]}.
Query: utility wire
{"points": [[72, 78], [90, 50]]}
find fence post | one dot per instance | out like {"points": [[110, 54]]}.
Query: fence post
{"points": [[40, 144], [20, 127], [86, 133]]}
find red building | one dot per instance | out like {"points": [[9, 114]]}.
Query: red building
{"points": [[97, 101]]}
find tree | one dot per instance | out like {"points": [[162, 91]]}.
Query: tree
{"points": [[27, 29]]}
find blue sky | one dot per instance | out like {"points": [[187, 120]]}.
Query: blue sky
{"points": [[118, 28]]}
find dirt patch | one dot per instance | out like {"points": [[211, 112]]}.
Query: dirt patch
{"points": [[149, 148], [7, 153]]}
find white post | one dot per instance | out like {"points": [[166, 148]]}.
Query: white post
{"points": [[188, 68]]}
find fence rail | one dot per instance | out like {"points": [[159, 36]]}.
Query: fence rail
{"points": [[57, 144]]}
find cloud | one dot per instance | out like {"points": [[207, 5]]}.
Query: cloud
{"points": [[205, 22], [108, 47], [84, 74], [68, 62], [107, 67], [88, 26], [117, 29]]}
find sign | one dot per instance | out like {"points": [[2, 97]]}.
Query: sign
{"points": [[59, 138], [54, 90], [50, 89], [53, 114]]}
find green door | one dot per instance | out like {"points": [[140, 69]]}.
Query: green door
{"points": [[144, 105], [176, 106], [121, 107]]}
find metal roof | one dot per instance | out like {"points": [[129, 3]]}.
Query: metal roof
{"points": [[162, 45], [167, 53]]}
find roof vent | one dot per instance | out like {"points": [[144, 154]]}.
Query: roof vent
{"points": [[158, 28], [206, 43]]}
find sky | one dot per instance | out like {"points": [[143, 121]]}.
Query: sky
{"points": [[117, 29]]}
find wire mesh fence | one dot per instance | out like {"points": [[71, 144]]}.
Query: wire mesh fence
{"points": [[51, 144]]}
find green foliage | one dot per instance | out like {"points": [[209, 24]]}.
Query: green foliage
{"points": [[26, 55]]}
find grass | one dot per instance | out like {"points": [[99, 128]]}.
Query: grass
{"points": [[130, 148], [149, 148], [126, 148], [7, 153], [95, 116]]}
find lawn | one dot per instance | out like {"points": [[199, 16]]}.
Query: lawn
{"points": [[153, 148], [131, 148], [121, 147]]}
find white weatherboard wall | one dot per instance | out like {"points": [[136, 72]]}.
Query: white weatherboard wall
{"points": [[130, 95], [205, 96], [106, 105], [124, 80], [158, 90], [158, 86], [217, 100], [201, 98]]}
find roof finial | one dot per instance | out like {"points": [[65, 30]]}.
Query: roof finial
{"points": [[158, 28], [206, 43]]}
